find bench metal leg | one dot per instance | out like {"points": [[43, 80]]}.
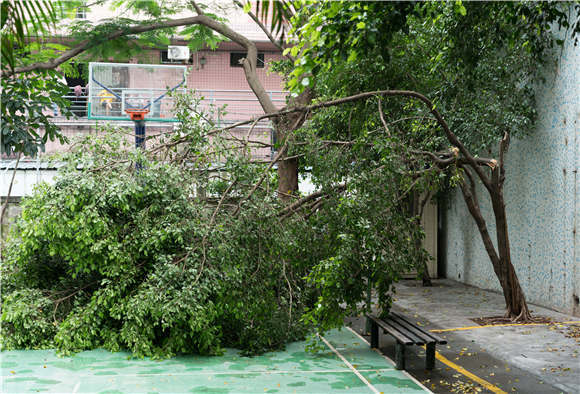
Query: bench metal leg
{"points": [[374, 335], [430, 359], [400, 356]]}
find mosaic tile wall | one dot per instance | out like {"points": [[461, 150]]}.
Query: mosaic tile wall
{"points": [[542, 193]]}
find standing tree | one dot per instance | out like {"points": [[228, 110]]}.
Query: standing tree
{"points": [[479, 62]]}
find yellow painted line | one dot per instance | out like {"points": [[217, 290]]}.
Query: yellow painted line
{"points": [[468, 374], [501, 325]]}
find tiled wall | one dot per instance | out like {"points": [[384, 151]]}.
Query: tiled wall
{"points": [[542, 193], [217, 73]]}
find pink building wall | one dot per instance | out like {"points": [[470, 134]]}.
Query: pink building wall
{"points": [[219, 84], [217, 73]]}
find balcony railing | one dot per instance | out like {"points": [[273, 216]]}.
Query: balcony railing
{"points": [[240, 104]]}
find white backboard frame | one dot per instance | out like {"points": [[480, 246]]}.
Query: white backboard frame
{"points": [[107, 97]]}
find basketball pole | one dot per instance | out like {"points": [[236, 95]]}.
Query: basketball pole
{"points": [[140, 134], [138, 117], [139, 140]]}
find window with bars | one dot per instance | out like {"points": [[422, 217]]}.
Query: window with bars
{"points": [[235, 58], [81, 13]]}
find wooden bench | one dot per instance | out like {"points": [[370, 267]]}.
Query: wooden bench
{"points": [[405, 333]]}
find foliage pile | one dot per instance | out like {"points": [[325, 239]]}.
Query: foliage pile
{"points": [[128, 261], [189, 256]]}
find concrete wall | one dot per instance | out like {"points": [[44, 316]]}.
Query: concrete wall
{"points": [[543, 202]]}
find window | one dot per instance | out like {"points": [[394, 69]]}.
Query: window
{"points": [[235, 58], [81, 13], [165, 59]]}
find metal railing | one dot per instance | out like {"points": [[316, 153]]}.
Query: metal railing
{"points": [[240, 104]]}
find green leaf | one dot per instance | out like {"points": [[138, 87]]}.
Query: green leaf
{"points": [[352, 56]]}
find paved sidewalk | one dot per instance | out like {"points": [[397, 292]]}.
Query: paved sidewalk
{"points": [[544, 355]]}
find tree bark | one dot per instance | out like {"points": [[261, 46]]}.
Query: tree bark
{"points": [[287, 178], [516, 306], [284, 129]]}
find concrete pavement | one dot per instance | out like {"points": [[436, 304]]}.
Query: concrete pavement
{"points": [[534, 358]]}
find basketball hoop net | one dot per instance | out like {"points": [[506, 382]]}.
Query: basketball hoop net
{"points": [[137, 114]]}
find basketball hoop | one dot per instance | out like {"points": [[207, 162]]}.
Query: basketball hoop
{"points": [[137, 114]]}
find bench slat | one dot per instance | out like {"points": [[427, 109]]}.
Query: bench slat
{"points": [[404, 330], [398, 336], [412, 328], [437, 338]]}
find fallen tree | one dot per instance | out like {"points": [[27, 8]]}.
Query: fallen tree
{"points": [[194, 252], [95, 271]]}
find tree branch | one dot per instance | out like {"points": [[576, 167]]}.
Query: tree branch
{"points": [[411, 94], [503, 147], [470, 197], [444, 159], [221, 201], [196, 7], [280, 153], [5, 206], [380, 105], [294, 206], [264, 29], [91, 43]]}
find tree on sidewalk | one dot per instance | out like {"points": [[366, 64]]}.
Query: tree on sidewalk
{"points": [[482, 64]]}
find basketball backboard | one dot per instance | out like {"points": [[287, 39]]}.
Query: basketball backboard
{"points": [[115, 88]]}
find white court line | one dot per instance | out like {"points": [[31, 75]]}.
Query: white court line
{"points": [[76, 388], [391, 361], [261, 372], [353, 369]]}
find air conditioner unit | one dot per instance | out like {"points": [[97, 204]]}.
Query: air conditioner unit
{"points": [[175, 52]]}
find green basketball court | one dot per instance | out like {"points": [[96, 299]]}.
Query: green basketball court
{"points": [[347, 365]]}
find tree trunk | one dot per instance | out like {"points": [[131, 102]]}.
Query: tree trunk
{"points": [[287, 178], [287, 168], [516, 306], [285, 127]]}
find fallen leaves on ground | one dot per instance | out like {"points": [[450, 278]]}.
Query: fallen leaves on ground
{"points": [[573, 332], [557, 369], [465, 387], [497, 320], [457, 387]]}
